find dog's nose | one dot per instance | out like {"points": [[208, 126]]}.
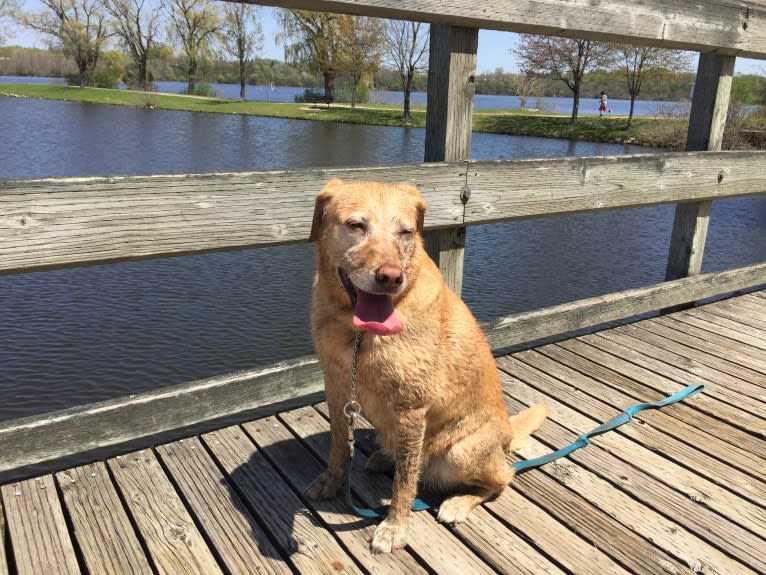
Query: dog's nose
{"points": [[389, 276]]}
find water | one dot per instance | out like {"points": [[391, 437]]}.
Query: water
{"points": [[75, 336]]}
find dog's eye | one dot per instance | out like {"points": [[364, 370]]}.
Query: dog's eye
{"points": [[357, 226], [406, 232]]}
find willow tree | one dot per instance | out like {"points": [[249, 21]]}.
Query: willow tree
{"points": [[76, 27], [136, 23], [242, 37], [565, 59], [193, 25], [312, 38], [407, 45]]}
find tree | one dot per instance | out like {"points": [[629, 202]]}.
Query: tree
{"points": [[243, 36], [312, 38], [77, 27], [360, 48], [193, 24], [525, 85], [7, 9], [407, 44], [137, 22], [565, 59], [641, 62]]}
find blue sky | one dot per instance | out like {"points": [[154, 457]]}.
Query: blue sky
{"points": [[494, 47]]}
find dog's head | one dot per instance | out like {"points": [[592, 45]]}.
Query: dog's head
{"points": [[367, 235]]}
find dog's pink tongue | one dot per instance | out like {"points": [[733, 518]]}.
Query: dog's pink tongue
{"points": [[375, 313]]}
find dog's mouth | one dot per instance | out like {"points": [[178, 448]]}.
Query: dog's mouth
{"points": [[372, 312]]}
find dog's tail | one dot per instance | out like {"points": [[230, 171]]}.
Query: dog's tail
{"points": [[526, 422]]}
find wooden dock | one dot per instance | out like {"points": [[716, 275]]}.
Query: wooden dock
{"points": [[679, 490]]}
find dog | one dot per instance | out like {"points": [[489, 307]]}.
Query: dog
{"points": [[425, 376]]}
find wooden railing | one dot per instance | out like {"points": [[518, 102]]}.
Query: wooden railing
{"points": [[54, 223]]}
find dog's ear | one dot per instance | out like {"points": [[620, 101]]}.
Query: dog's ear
{"points": [[420, 205], [320, 205]]}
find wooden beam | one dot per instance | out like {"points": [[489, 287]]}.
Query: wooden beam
{"points": [[557, 320], [721, 26], [710, 105], [78, 430], [54, 223], [449, 117]]}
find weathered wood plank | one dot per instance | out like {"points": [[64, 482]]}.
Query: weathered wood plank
{"points": [[590, 312], [629, 443], [27, 441], [101, 527], [723, 26], [721, 325], [429, 539], [3, 542], [684, 513], [449, 116], [238, 540], [654, 367], [617, 372], [62, 222], [168, 531], [297, 464], [283, 514], [684, 424], [736, 313], [37, 529]]}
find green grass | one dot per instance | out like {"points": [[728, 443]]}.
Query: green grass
{"points": [[647, 131]]}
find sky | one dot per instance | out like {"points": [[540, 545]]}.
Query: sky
{"points": [[494, 49]]}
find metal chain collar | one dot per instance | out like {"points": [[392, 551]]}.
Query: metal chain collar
{"points": [[353, 409]]}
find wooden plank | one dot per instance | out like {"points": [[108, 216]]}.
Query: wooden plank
{"points": [[707, 119], [299, 467], [617, 372], [430, 540], [653, 366], [643, 447], [59, 222], [538, 324], [724, 326], [234, 396], [684, 513], [294, 530], [723, 26], [449, 116], [37, 529], [686, 425], [707, 353], [239, 542], [174, 543], [730, 310], [3, 542], [103, 532]]}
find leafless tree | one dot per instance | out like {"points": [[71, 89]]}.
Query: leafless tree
{"points": [[193, 24], [407, 45], [7, 9], [565, 59], [525, 85], [242, 37], [641, 62], [136, 23], [77, 27]]}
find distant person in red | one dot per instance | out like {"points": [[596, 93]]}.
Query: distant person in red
{"points": [[603, 104]]}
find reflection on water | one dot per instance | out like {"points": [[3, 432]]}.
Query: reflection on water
{"points": [[74, 336]]}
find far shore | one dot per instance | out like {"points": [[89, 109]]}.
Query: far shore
{"points": [[657, 132]]}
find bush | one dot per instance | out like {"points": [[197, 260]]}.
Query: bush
{"points": [[309, 96]]}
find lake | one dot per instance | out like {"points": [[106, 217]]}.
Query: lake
{"points": [[75, 336]]}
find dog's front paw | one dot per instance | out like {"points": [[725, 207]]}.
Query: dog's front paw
{"points": [[456, 509], [324, 487], [388, 536]]}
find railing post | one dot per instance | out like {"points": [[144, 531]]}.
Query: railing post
{"points": [[707, 120], [451, 76]]}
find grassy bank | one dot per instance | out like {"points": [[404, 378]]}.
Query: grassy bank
{"points": [[660, 132]]}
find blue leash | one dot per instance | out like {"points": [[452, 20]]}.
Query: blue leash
{"points": [[582, 441]]}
